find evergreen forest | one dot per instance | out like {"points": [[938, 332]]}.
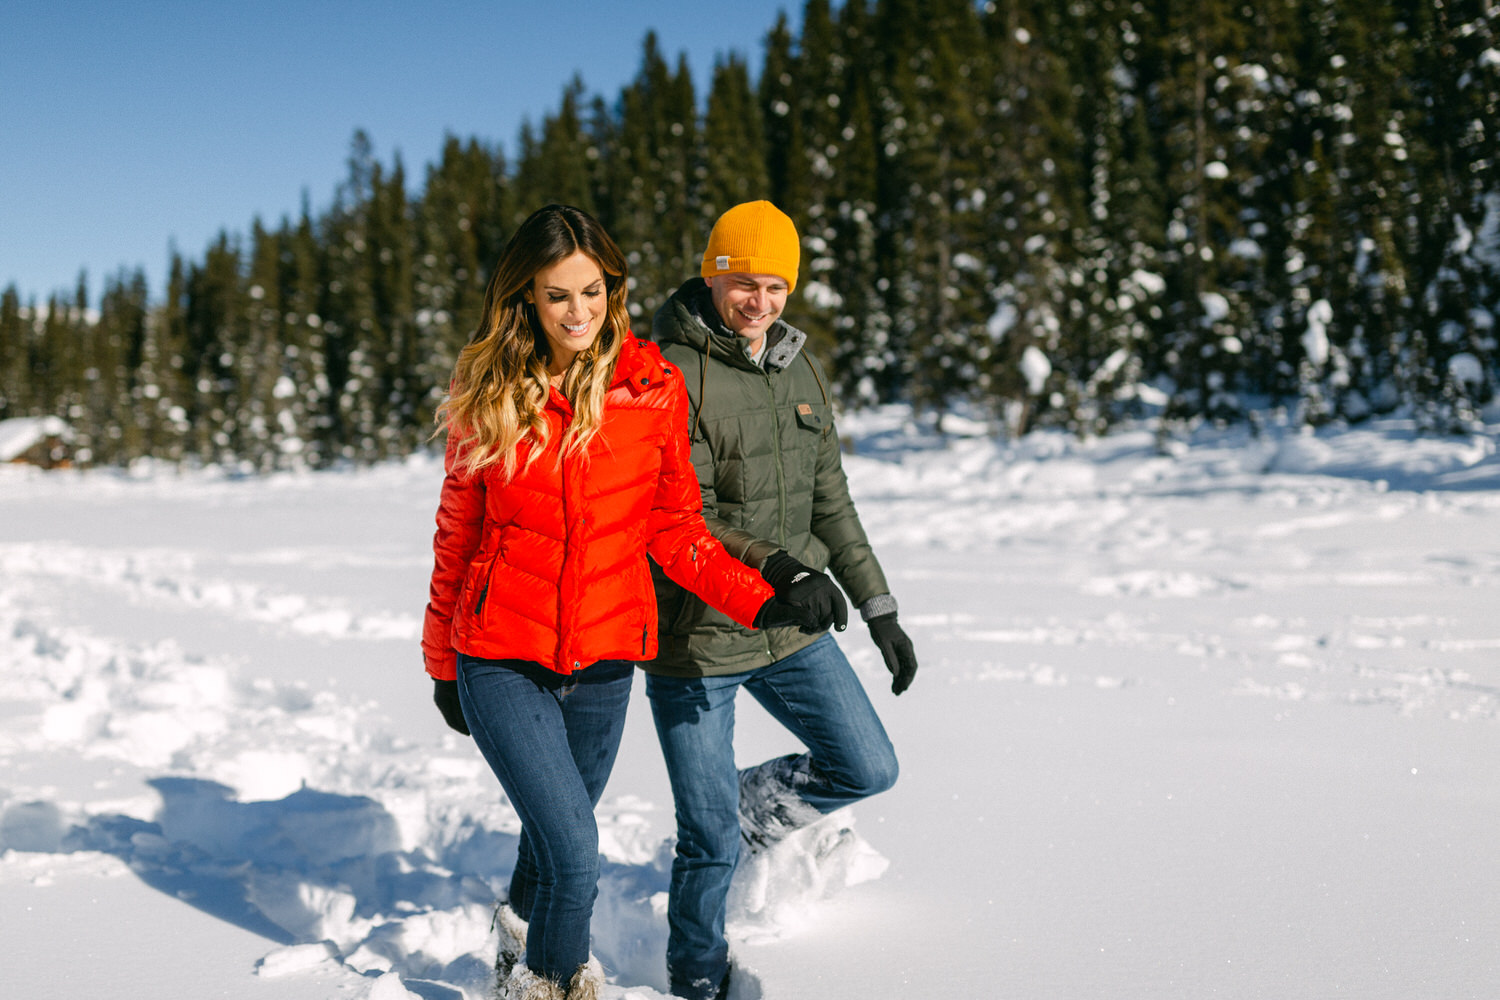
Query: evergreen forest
{"points": [[1051, 213]]}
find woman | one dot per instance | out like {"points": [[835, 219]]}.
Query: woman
{"points": [[567, 464]]}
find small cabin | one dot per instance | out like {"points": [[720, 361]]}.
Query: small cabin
{"points": [[42, 441]]}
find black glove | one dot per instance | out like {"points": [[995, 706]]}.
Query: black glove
{"points": [[776, 613], [805, 588], [445, 697], [895, 646]]}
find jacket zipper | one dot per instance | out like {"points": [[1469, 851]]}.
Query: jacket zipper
{"points": [[776, 452], [482, 595], [780, 489], [645, 633]]}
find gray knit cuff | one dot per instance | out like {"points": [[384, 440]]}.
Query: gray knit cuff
{"points": [[880, 604]]}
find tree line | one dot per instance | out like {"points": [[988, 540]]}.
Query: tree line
{"points": [[1056, 213]]}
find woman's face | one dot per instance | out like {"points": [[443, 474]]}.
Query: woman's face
{"points": [[571, 301]]}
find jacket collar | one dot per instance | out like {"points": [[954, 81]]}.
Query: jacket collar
{"points": [[689, 318], [636, 366]]}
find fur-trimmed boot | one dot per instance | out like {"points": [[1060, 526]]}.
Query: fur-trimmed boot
{"points": [[512, 940], [587, 981], [523, 984]]}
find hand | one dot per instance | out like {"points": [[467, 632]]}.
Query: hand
{"points": [[445, 697], [776, 613], [895, 645], [802, 587]]}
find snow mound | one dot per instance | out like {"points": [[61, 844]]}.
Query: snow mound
{"points": [[776, 891]]}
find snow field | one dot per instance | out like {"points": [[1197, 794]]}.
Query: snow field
{"points": [[1211, 717]]}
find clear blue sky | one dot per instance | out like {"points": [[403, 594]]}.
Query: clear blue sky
{"points": [[126, 127]]}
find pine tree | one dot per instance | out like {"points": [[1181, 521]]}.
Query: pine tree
{"points": [[393, 346], [261, 394], [213, 318], [12, 353], [1114, 307], [1355, 75], [1199, 86], [733, 143], [864, 361], [1447, 147], [462, 221], [928, 129], [118, 351], [302, 389], [654, 158], [560, 164], [349, 331], [781, 126], [178, 393], [816, 84], [1031, 202]]}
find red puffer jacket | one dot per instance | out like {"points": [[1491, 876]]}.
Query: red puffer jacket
{"points": [[551, 566]]}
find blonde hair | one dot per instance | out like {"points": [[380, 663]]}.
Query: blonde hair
{"points": [[500, 382]]}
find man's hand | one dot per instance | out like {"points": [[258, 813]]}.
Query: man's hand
{"points": [[895, 645], [803, 588], [445, 697]]}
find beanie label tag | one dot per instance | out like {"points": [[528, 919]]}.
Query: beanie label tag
{"points": [[722, 262]]}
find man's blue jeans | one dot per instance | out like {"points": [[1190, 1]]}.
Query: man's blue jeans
{"points": [[815, 694], [551, 740]]}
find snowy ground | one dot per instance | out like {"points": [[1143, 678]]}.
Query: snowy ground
{"points": [[1220, 722]]}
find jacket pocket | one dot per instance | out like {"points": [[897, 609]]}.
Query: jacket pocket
{"points": [[809, 418], [476, 592]]}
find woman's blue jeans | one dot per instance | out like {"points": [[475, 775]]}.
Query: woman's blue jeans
{"points": [[813, 693], [551, 740]]}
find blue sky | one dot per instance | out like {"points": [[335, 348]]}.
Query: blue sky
{"points": [[126, 127]]}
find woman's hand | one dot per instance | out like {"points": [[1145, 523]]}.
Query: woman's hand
{"points": [[445, 697], [804, 597]]}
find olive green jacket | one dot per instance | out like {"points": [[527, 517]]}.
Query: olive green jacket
{"points": [[767, 458]]}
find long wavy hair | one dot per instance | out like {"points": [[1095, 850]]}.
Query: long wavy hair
{"points": [[499, 387]]}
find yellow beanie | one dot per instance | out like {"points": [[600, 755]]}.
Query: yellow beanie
{"points": [[755, 237]]}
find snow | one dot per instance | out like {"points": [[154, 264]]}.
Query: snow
{"points": [[1467, 370], [1002, 320], [1315, 338], [18, 434], [1035, 368], [1205, 715], [1215, 306]]}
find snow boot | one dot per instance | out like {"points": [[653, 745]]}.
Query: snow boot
{"points": [[702, 989], [524, 984], [587, 981], [512, 940], [770, 808]]}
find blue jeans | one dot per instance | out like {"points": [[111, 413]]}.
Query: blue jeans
{"points": [[551, 740], [815, 694]]}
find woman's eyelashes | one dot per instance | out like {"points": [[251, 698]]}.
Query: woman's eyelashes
{"points": [[590, 293]]}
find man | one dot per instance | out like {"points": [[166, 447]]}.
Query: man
{"points": [[774, 493]]}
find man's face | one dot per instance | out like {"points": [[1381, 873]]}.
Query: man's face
{"points": [[748, 303]]}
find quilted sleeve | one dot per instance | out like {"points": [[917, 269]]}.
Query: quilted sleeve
{"points": [[460, 522], [679, 540]]}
